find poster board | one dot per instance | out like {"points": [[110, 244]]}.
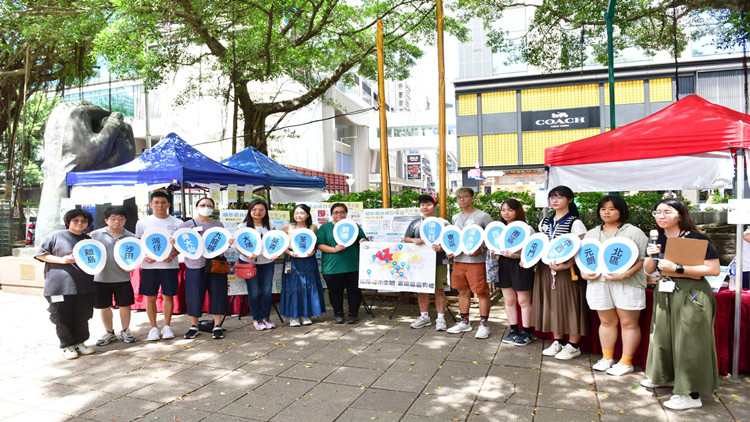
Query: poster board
{"points": [[397, 267], [388, 224]]}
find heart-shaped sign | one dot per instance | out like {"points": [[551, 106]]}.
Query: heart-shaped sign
{"points": [[532, 249], [431, 229], [275, 242], [248, 241], [472, 237], [345, 232], [129, 253], [215, 241], [617, 255], [493, 236], [587, 257], [188, 242], [302, 241], [156, 244], [515, 234], [90, 255], [450, 240], [561, 249]]}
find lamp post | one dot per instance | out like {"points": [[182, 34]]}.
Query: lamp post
{"points": [[611, 62]]}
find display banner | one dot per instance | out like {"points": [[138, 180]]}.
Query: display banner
{"points": [[156, 244], [188, 242], [532, 249], [90, 255], [129, 253], [617, 255], [388, 224], [397, 267], [215, 241]]}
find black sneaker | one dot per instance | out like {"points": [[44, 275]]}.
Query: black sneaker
{"points": [[192, 332], [523, 339], [353, 318], [511, 337], [339, 319], [217, 333]]}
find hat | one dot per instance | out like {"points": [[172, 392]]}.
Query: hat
{"points": [[427, 198]]}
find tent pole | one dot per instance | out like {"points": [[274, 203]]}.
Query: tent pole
{"points": [[268, 195], [182, 202], [546, 189], [740, 193]]}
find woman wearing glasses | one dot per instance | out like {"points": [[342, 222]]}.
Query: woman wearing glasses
{"points": [[682, 351], [341, 267]]}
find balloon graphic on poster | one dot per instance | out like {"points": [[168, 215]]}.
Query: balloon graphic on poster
{"points": [[532, 249], [345, 232], [303, 241], [188, 242], [493, 236], [90, 255], [450, 240], [514, 236], [248, 241], [472, 237], [561, 249], [587, 257], [156, 244], [129, 253], [431, 229], [617, 255], [275, 243], [215, 241]]}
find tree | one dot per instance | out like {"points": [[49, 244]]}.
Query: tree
{"points": [[314, 42]]}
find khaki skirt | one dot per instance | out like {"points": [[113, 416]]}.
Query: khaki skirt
{"points": [[562, 310]]}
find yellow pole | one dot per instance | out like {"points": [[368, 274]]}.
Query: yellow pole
{"points": [[442, 157], [385, 186]]}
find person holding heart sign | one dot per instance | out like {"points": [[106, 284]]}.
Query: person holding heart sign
{"points": [[617, 298]]}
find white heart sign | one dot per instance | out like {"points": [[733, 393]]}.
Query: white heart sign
{"points": [[345, 232], [188, 242], [493, 236], [275, 242], [303, 241], [156, 244], [515, 235], [561, 249], [90, 255], [532, 249], [248, 241], [472, 237], [431, 229], [129, 253], [450, 240], [215, 241]]}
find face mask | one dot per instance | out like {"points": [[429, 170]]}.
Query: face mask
{"points": [[205, 212]]}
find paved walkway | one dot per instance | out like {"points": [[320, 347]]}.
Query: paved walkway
{"points": [[377, 370]]}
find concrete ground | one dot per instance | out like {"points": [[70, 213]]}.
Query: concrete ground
{"points": [[377, 370]]}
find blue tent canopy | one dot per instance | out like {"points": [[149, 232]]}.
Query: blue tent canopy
{"points": [[172, 159], [253, 161]]}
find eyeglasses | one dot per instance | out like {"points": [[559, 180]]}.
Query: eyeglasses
{"points": [[258, 210], [664, 213], [462, 197], [556, 197], [339, 213]]}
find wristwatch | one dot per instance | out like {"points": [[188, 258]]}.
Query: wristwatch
{"points": [[680, 269]]}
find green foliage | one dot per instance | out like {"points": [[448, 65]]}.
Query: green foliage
{"points": [[718, 197]]}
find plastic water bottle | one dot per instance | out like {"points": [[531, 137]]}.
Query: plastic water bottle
{"points": [[732, 273]]}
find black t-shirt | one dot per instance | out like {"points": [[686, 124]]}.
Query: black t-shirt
{"points": [[413, 232], [64, 279], [710, 251]]}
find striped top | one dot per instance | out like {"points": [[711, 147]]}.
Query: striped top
{"points": [[568, 224]]}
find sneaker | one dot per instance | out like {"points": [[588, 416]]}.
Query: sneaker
{"points": [[339, 319], [294, 322], [461, 327], [127, 336], [70, 353], [353, 318], [568, 352], [259, 325], [650, 384], [306, 321], [422, 321], [483, 331], [620, 369], [192, 332], [680, 402], [440, 325], [553, 349], [108, 337], [269, 325], [511, 337], [166, 332], [603, 364], [523, 339], [84, 350], [217, 333], [153, 334]]}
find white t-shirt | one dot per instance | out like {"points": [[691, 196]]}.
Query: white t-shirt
{"points": [[170, 224]]}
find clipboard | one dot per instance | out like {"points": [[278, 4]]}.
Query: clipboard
{"points": [[684, 251]]}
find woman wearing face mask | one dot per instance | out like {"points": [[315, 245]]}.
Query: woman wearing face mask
{"points": [[198, 279], [301, 291]]}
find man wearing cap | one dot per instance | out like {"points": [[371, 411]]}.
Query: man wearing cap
{"points": [[428, 206]]}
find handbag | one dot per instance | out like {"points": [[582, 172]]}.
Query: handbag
{"points": [[218, 265], [246, 270]]}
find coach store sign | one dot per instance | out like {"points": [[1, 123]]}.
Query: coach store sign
{"points": [[572, 118]]}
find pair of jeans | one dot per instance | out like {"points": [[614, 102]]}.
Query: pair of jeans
{"points": [[197, 283], [336, 284], [259, 291]]}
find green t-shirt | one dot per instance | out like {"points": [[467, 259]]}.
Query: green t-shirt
{"points": [[345, 261]]}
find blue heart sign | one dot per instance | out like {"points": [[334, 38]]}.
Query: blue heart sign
{"points": [[90, 255], [431, 229], [129, 253], [617, 255], [275, 242], [587, 257], [215, 241], [493, 236], [450, 240], [345, 232], [472, 237], [532, 249], [515, 235], [561, 249], [188, 242], [156, 244], [303, 241], [247, 241]]}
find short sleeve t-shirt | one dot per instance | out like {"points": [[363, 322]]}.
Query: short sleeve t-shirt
{"points": [[413, 232], [633, 233], [64, 279], [461, 220], [112, 273], [170, 224], [568, 224], [193, 223], [345, 261]]}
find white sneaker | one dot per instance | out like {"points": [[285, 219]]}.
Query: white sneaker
{"points": [[482, 332], [107, 338], [553, 349], [680, 402], [620, 369], [650, 384], [440, 325], [306, 321], [166, 332], [294, 322], [568, 352], [422, 321], [461, 327], [84, 350], [603, 364], [153, 334], [70, 353]]}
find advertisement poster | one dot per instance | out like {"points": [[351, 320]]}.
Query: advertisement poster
{"points": [[396, 267], [389, 224], [321, 211], [232, 218]]}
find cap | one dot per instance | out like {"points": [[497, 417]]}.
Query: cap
{"points": [[426, 198]]}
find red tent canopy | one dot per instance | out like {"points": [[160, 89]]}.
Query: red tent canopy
{"points": [[689, 126]]}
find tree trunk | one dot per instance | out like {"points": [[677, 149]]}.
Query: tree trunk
{"points": [[254, 120], [9, 173]]}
